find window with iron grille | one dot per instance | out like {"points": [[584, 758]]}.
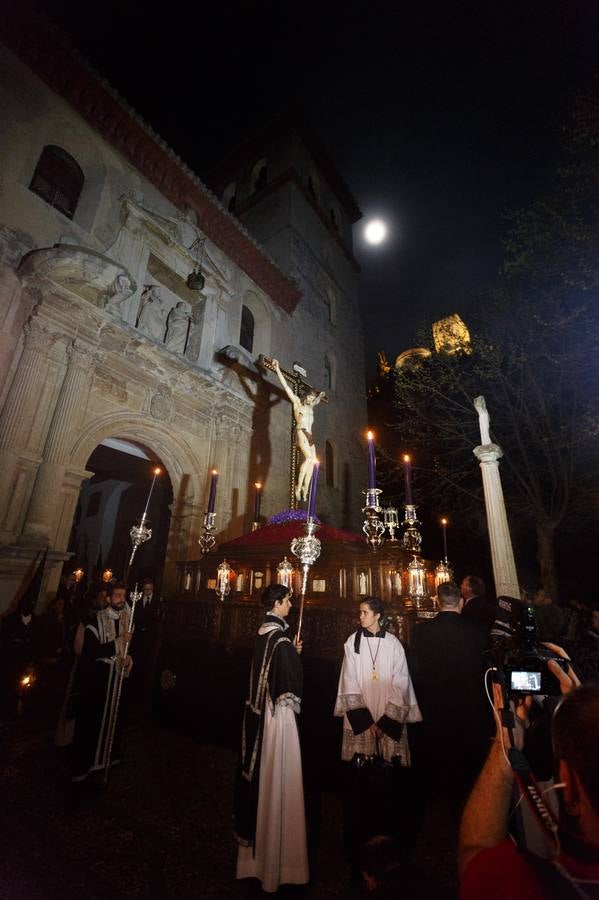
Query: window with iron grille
{"points": [[58, 180], [246, 333]]}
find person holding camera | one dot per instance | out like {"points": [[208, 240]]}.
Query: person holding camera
{"points": [[491, 865]]}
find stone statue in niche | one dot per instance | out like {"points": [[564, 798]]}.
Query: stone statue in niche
{"points": [[195, 332], [177, 328], [150, 320], [123, 287]]}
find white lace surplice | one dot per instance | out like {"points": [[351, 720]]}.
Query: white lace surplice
{"points": [[392, 694]]}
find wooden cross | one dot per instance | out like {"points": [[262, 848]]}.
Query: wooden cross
{"points": [[295, 381]]}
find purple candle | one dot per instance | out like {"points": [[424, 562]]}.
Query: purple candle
{"points": [[407, 471], [212, 495], [313, 486], [371, 461], [257, 500], [444, 527]]}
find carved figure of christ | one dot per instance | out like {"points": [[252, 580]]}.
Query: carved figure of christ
{"points": [[303, 399]]}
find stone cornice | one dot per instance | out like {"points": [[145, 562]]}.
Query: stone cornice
{"points": [[46, 51]]}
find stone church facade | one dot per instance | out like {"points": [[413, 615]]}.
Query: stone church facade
{"points": [[103, 334]]}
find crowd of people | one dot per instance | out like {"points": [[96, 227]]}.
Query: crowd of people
{"points": [[435, 721], [85, 638], [442, 720]]}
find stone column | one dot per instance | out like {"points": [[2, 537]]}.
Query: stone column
{"points": [[44, 506], [20, 427], [19, 412], [502, 554]]}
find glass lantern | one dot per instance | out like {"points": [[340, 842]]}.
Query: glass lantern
{"points": [[443, 573], [285, 572], [223, 574], [416, 579]]}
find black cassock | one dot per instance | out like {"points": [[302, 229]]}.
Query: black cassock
{"points": [[94, 694], [269, 816]]}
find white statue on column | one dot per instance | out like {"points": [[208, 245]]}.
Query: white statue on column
{"points": [[502, 554], [484, 420], [177, 328], [151, 316]]}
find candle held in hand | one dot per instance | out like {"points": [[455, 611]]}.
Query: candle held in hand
{"points": [[156, 474]]}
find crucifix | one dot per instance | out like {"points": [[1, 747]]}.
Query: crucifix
{"points": [[303, 399]]}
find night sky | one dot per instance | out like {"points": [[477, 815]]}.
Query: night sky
{"points": [[438, 117]]}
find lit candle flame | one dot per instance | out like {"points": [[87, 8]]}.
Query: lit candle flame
{"points": [[406, 457], [370, 435], [157, 470], [443, 521], [215, 471], [257, 485]]}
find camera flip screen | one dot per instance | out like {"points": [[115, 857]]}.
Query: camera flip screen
{"points": [[526, 681]]}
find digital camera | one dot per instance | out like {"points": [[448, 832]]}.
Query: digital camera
{"points": [[517, 653]]}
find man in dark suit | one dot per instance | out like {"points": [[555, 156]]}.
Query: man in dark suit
{"points": [[476, 606], [447, 666], [149, 614]]}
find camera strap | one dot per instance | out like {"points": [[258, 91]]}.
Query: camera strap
{"points": [[531, 790]]}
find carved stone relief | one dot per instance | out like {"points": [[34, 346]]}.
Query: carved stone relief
{"points": [[111, 387], [161, 405]]}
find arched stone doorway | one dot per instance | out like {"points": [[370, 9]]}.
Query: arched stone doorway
{"points": [[113, 500], [181, 465]]}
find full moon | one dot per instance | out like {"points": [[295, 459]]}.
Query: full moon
{"points": [[375, 231]]}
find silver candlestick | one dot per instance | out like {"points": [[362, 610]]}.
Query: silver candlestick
{"points": [[373, 527], [412, 539], [139, 534], [391, 522], [207, 539], [307, 550]]}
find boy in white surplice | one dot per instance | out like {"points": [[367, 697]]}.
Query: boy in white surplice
{"points": [[376, 699]]}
